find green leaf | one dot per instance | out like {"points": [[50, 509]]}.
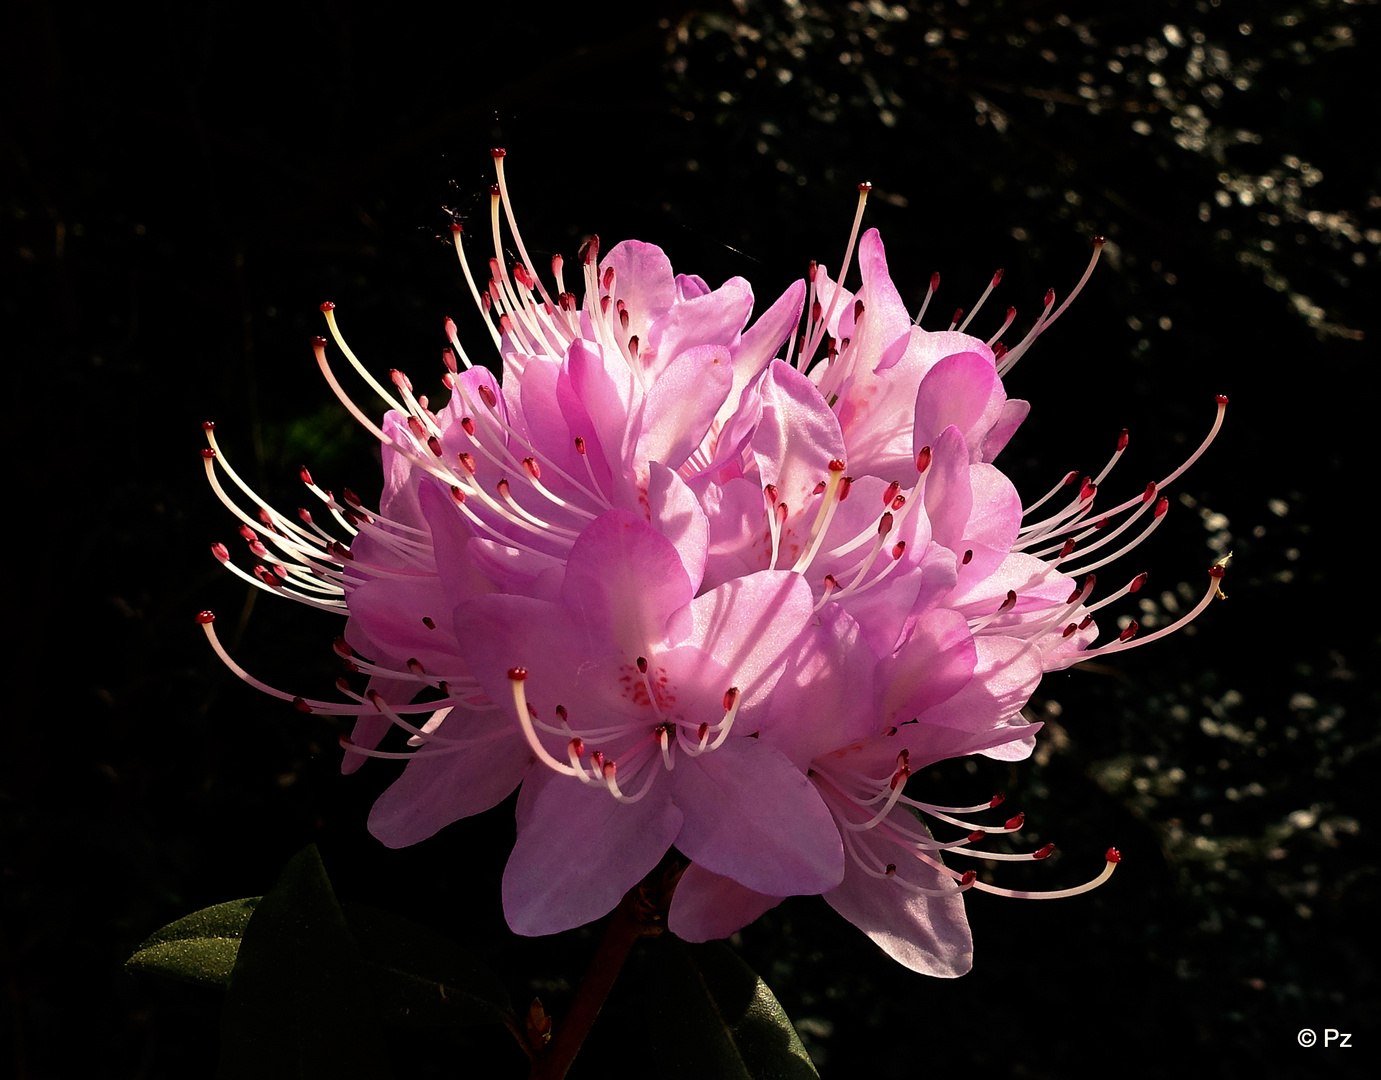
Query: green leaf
{"points": [[297, 1006], [420, 979], [197, 948], [713, 1016]]}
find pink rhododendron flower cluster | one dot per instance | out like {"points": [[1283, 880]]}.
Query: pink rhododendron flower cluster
{"points": [[689, 578]]}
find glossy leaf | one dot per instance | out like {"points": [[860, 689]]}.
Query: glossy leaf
{"points": [[198, 948], [713, 1016]]}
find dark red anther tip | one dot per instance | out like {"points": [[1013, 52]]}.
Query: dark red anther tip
{"points": [[498, 152], [976, 836], [1015, 822], [958, 314], [968, 557], [428, 622], [493, 191], [1113, 855], [300, 704], [1217, 572], [997, 800], [208, 425], [1044, 853], [1099, 241], [456, 228], [970, 876], [898, 549], [642, 664], [865, 186], [999, 350], [885, 524], [836, 465], [1069, 630], [934, 281], [517, 674], [730, 696], [1161, 507], [1122, 439], [1049, 297], [208, 453], [204, 617], [1221, 399], [318, 342], [346, 740], [579, 445], [923, 459], [328, 305], [997, 278], [1130, 631], [819, 488], [1138, 582], [220, 552]]}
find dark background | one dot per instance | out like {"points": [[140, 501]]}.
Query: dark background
{"points": [[183, 187]]}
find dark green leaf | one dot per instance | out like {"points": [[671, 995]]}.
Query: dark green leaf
{"points": [[297, 1006], [713, 1016], [419, 978], [198, 948]]}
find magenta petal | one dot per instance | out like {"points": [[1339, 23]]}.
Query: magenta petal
{"points": [[707, 906], [928, 934], [439, 788], [933, 665], [962, 390], [753, 816], [578, 852]]}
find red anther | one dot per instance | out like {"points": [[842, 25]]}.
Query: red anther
{"points": [[623, 316], [268, 577], [642, 664], [836, 465], [832, 347], [502, 487], [467, 425], [999, 350], [1161, 507], [1078, 592], [220, 551], [246, 533], [400, 380], [257, 549], [898, 502], [1043, 853], [208, 425], [903, 756], [633, 341], [415, 426], [608, 278], [1066, 548], [783, 512], [1150, 492], [997, 800], [812, 270], [521, 276], [1049, 297], [1069, 630], [318, 342], [589, 251], [898, 549], [1085, 622], [376, 699], [444, 687], [891, 869], [830, 583], [204, 617], [517, 674], [456, 229], [899, 777], [208, 453], [997, 278], [976, 835], [457, 494], [1130, 631], [845, 486], [434, 445], [415, 666], [448, 381], [1122, 440], [1014, 823], [561, 713], [934, 281], [970, 876], [533, 469], [1217, 572], [891, 493], [866, 186], [885, 524], [580, 445], [819, 488], [1099, 241], [487, 396], [498, 152], [1088, 490], [340, 551], [610, 770], [467, 462], [352, 498], [730, 698], [923, 459], [342, 684], [577, 746], [958, 314], [1010, 602], [300, 704], [1138, 582], [858, 310], [1113, 855], [267, 518], [494, 191], [1101, 523], [770, 493], [968, 558], [345, 740], [890, 732], [816, 311], [428, 622], [327, 305], [305, 515], [1221, 400]]}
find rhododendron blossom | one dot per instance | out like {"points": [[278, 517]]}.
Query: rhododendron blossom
{"points": [[692, 579]]}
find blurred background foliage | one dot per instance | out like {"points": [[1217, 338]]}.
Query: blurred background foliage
{"points": [[182, 187]]}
